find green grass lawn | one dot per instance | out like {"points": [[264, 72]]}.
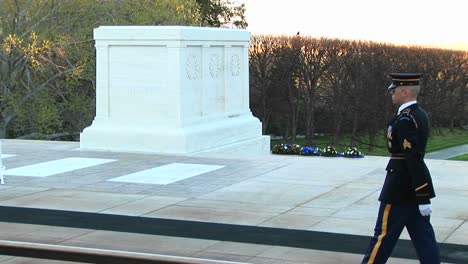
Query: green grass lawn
{"points": [[461, 157], [439, 139], [443, 138]]}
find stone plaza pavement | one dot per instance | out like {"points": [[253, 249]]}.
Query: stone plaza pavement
{"points": [[249, 209]]}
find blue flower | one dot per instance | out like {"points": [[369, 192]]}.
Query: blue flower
{"points": [[310, 151]]}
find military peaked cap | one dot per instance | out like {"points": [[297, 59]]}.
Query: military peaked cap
{"points": [[404, 79]]}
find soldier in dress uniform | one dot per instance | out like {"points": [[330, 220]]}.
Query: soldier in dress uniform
{"points": [[407, 190]]}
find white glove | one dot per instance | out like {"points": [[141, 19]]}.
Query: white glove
{"points": [[425, 209]]}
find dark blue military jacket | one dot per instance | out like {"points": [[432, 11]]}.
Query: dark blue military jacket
{"points": [[408, 180]]}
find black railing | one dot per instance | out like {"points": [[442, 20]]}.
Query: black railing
{"points": [[93, 255]]}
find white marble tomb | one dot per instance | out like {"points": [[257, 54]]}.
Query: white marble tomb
{"points": [[173, 89]]}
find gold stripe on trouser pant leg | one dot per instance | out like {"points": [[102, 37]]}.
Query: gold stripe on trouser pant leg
{"points": [[382, 235]]}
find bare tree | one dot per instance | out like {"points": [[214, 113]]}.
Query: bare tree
{"points": [[336, 83], [261, 65], [346, 81], [285, 81], [316, 56]]}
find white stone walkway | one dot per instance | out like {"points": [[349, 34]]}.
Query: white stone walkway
{"points": [[335, 195]]}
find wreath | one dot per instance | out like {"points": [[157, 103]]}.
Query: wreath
{"points": [[352, 152], [329, 151], [293, 149]]}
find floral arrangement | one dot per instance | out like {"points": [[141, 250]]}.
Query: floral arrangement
{"points": [[310, 151], [352, 152], [286, 149], [329, 151]]}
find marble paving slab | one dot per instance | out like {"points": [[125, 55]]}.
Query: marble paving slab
{"points": [[167, 174], [49, 168]]}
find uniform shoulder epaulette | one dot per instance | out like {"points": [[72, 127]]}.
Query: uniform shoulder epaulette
{"points": [[405, 115], [406, 111]]}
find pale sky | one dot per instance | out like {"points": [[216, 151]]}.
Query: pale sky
{"points": [[421, 22]]}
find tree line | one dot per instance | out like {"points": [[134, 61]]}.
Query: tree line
{"points": [[299, 85], [305, 86]]}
